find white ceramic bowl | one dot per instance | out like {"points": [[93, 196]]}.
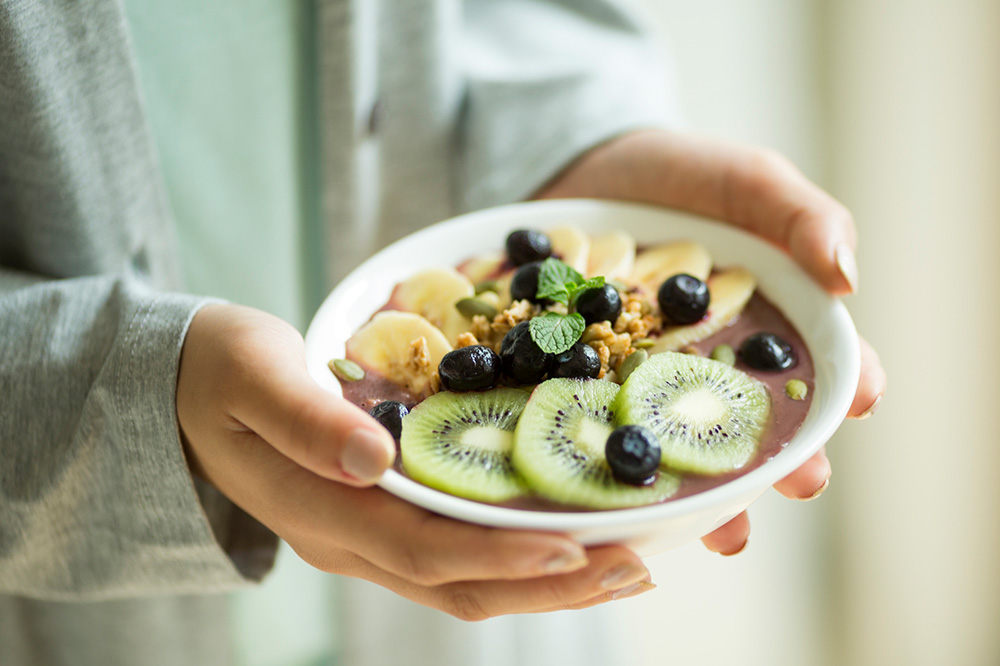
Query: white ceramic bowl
{"points": [[822, 321]]}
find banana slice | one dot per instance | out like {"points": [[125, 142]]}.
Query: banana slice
{"points": [[571, 245], [401, 346], [729, 291], [483, 267], [611, 255], [433, 293], [655, 265]]}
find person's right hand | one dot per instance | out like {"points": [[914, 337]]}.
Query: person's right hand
{"points": [[303, 462]]}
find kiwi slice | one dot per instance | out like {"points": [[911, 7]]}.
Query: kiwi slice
{"points": [[559, 447], [461, 443], [708, 415]]}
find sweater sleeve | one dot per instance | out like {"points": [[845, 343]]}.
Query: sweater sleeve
{"points": [[95, 494], [96, 498], [546, 81]]}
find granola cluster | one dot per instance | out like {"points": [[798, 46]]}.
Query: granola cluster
{"points": [[490, 332], [419, 364]]}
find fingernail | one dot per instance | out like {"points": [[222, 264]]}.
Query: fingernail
{"points": [[871, 410], [633, 590], [568, 559], [623, 573], [365, 455], [847, 265], [736, 552], [818, 492]]}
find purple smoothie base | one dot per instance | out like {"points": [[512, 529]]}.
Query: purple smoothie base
{"points": [[785, 419]]}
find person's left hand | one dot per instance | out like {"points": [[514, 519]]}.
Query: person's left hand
{"points": [[751, 188]]}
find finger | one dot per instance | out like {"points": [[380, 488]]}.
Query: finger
{"points": [[808, 481], [429, 549], [746, 186], [765, 193], [612, 570], [321, 432], [317, 516], [731, 538], [871, 385]]}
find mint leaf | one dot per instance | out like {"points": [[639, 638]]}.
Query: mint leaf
{"points": [[555, 333], [577, 289], [553, 278]]}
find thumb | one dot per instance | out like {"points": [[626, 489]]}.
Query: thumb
{"points": [[321, 432]]}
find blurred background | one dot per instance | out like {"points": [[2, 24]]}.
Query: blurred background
{"points": [[893, 106]]}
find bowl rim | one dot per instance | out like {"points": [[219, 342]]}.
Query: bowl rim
{"points": [[755, 481]]}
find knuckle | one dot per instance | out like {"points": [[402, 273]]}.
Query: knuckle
{"points": [[418, 568], [465, 606]]}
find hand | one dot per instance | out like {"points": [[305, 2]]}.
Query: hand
{"points": [[303, 462], [751, 188]]}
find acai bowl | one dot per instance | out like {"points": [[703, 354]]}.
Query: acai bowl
{"points": [[821, 321]]}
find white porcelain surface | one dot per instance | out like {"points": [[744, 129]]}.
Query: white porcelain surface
{"points": [[822, 321]]}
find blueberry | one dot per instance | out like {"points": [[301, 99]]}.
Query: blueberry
{"points": [[633, 452], [523, 360], [766, 351], [524, 285], [473, 368], [390, 414], [683, 299], [580, 360], [527, 245], [599, 304]]}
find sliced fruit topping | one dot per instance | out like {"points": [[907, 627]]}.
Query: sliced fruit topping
{"points": [[768, 352], [579, 361], [390, 414], [633, 453], [612, 255], [655, 265], [461, 443], [729, 291], [472, 368], [571, 245], [527, 245], [432, 294], [523, 360], [401, 346], [599, 304], [708, 416], [484, 267], [560, 442], [683, 299]]}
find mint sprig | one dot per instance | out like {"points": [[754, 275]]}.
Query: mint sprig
{"points": [[560, 282], [556, 333]]}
